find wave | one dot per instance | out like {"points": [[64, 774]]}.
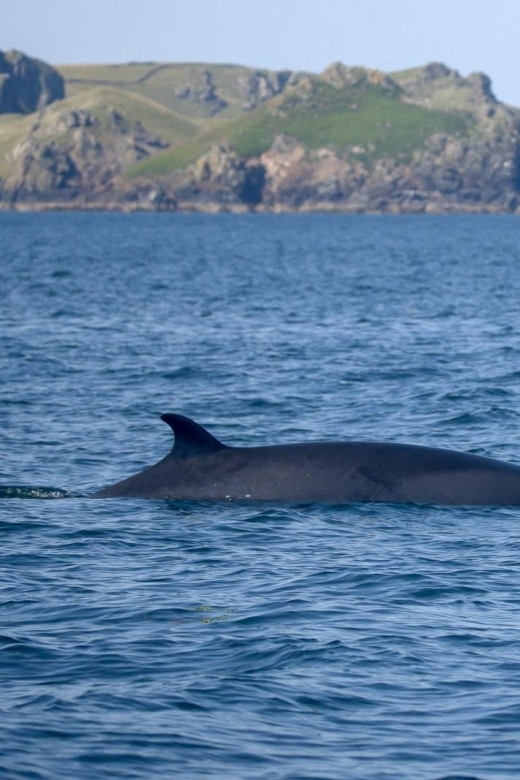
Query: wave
{"points": [[34, 491]]}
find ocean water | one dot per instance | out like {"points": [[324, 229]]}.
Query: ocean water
{"points": [[159, 639]]}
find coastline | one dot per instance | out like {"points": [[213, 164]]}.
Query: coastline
{"points": [[219, 208]]}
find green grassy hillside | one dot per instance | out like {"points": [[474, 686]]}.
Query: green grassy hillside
{"points": [[98, 100], [154, 116], [374, 120], [13, 127], [161, 81], [323, 116], [371, 119]]}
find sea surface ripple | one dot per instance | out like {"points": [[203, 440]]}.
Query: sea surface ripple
{"points": [[162, 639]]}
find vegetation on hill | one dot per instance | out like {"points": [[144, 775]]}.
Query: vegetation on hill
{"points": [[368, 118], [223, 136]]}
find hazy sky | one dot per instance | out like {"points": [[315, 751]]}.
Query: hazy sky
{"points": [[468, 35]]}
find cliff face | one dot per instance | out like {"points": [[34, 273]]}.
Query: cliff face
{"points": [[475, 167], [449, 175], [350, 139], [76, 154], [27, 84]]}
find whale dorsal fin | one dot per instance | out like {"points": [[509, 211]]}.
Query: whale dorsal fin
{"points": [[190, 438]]}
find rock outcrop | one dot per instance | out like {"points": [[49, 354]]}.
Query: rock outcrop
{"points": [[436, 85], [26, 84], [68, 154], [221, 177], [450, 174], [204, 93], [475, 170], [259, 86], [341, 76]]}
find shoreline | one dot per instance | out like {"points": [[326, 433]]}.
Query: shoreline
{"points": [[218, 208]]}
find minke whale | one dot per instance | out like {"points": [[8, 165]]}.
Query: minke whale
{"points": [[200, 467]]}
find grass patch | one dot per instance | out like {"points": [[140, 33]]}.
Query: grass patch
{"points": [[155, 117], [169, 161], [12, 128], [121, 74], [159, 82], [370, 116], [320, 115]]}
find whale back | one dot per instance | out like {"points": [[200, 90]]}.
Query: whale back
{"points": [[200, 467]]}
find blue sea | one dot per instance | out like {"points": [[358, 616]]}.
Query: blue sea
{"points": [[159, 639]]}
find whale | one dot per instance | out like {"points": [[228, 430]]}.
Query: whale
{"points": [[200, 467]]}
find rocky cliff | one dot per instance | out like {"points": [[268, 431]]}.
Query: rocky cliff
{"points": [[68, 155], [350, 139], [473, 166], [26, 84]]}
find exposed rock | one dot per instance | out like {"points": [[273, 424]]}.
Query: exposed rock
{"points": [[183, 93], [222, 177], [481, 84], [482, 172], [204, 93], [437, 86], [69, 120], [341, 76], [70, 153], [142, 194], [450, 174], [26, 84], [259, 87]]}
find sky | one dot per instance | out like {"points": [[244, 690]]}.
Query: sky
{"points": [[468, 35]]}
